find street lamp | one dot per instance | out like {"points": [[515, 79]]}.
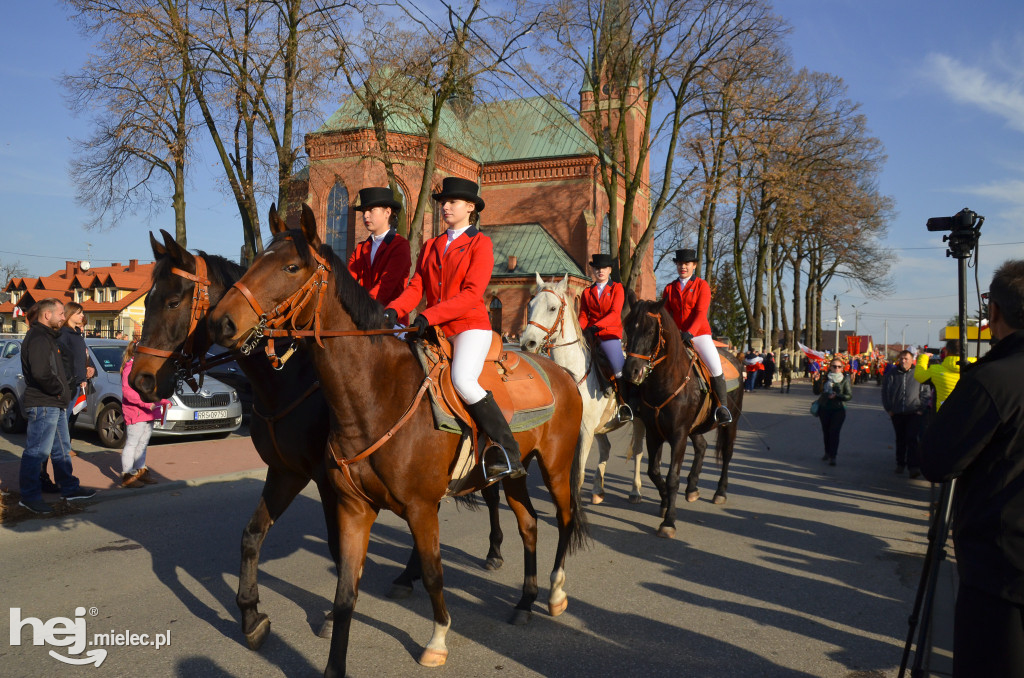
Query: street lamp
{"points": [[903, 339], [856, 317]]}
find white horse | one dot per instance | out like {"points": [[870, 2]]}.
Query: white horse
{"points": [[553, 326]]}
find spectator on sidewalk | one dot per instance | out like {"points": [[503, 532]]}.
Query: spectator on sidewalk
{"points": [[76, 357], [46, 396], [785, 372], [139, 418], [752, 364], [978, 437], [901, 399], [768, 374], [943, 374], [833, 390]]}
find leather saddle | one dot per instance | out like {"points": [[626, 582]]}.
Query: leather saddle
{"points": [[516, 383], [705, 414]]}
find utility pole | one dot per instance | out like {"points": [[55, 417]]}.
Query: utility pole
{"points": [[886, 350], [836, 352]]}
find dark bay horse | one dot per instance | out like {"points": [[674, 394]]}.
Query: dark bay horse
{"points": [[290, 419], [385, 450], [670, 399]]}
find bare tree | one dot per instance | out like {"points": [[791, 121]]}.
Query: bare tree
{"points": [[138, 91]]}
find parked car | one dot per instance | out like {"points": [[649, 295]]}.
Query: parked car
{"points": [[232, 375], [12, 415], [214, 409]]}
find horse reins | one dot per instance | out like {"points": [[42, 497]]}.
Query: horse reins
{"points": [[557, 326], [653, 358], [274, 323]]}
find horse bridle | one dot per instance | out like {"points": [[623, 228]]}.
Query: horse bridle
{"points": [[653, 358], [200, 305], [556, 327], [281, 321]]}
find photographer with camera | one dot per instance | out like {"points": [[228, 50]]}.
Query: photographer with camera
{"points": [[978, 437]]}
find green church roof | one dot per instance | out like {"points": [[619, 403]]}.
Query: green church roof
{"points": [[535, 251], [500, 131]]}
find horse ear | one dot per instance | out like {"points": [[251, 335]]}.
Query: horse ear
{"points": [[175, 251], [158, 249], [631, 296], [540, 282], [309, 226], [658, 305], [563, 284], [277, 224]]}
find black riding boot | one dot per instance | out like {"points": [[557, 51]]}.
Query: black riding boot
{"points": [[722, 414], [623, 413], [501, 458]]}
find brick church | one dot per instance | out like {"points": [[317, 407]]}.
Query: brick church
{"points": [[537, 166]]}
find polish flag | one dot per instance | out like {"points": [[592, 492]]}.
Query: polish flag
{"points": [[18, 312], [811, 354], [80, 402]]}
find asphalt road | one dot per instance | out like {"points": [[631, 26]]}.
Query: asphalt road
{"points": [[807, 570]]}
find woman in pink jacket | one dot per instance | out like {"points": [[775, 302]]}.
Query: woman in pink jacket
{"points": [[138, 418]]}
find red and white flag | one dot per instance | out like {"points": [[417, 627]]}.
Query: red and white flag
{"points": [[81, 402], [816, 356], [18, 312]]}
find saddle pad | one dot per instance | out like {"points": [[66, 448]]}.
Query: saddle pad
{"points": [[520, 387]]}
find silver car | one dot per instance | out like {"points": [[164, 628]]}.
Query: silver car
{"points": [[214, 409]]}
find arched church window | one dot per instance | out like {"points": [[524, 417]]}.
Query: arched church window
{"points": [[337, 220]]}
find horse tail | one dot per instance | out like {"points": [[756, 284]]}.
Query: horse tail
{"points": [[579, 530]]}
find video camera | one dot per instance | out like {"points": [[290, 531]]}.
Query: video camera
{"points": [[964, 228], [963, 220]]}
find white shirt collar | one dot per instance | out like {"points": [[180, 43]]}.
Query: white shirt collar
{"points": [[378, 238], [683, 281]]}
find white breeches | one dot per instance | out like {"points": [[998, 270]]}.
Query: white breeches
{"points": [[469, 350], [705, 346], [613, 349]]}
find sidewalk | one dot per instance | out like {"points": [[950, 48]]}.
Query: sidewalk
{"points": [[171, 464]]}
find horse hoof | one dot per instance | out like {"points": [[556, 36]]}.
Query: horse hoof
{"points": [[719, 499], [635, 499], [433, 657], [692, 496], [558, 608], [254, 639], [327, 630], [520, 617], [666, 532], [399, 591], [493, 564], [597, 498]]}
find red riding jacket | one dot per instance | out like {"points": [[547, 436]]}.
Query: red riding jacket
{"points": [[385, 278], [603, 312], [689, 307], [453, 282]]}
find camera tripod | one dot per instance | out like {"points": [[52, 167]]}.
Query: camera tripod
{"points": [[965, 227]]}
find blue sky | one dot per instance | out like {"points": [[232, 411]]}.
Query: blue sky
{"points": [[941, 83]]}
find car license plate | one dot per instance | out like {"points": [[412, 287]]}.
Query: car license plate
{"points": [[211, 414]]}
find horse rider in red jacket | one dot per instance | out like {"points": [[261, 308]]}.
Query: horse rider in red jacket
{"points": [[381, 263], [452, 271], [687, 301], [601, 309]]}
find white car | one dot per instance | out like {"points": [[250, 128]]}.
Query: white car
{"points": [[214, 409]]}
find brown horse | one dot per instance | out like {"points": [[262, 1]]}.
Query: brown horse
{"points": [[384, 448], [670, 401], [290, 418]]}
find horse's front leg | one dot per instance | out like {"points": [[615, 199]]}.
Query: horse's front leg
{"points": [[526, 517], [654, 442], [423, 523], [637, 446], [279, 490], [667, 529], [355, 518], [604, 449], [492, 498], [700, 447]]}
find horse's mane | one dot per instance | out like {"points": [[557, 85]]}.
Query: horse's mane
{"points": [[366, 312], [220, 269]]}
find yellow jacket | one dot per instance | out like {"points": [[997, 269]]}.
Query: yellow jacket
{"points": [[943, 375]]}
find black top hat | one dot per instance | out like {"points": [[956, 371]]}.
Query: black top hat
{"points": [[602, 260], [377, 197], [683, 256], [454, 188]]}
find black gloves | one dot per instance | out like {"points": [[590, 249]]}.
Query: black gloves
{"points": [[390, 317], [420, 325], [687, 336]]}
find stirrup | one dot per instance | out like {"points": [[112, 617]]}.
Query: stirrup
{"points": [[497, 473], [723, 416], [624, 414]]}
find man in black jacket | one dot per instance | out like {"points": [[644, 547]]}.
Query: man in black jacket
{"points": [[901, 399], [46, 395], [978, 437]]}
